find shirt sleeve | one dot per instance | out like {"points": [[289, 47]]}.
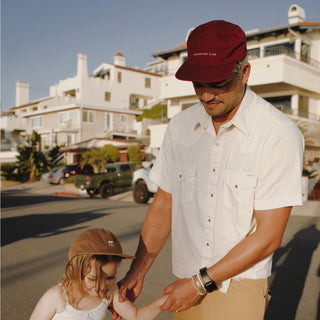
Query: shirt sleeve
{"points": [[162, 170], [279, 176]]}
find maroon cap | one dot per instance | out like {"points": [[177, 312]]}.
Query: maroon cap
{"points": [[214, 48]]}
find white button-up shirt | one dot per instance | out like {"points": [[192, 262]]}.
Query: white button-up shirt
{"points": [[218, 180]]}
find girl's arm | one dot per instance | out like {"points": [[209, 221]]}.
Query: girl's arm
{"points": [[47, 306], [129, 311]]}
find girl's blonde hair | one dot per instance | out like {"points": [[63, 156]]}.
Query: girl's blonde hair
{"points": [[77, 268]]}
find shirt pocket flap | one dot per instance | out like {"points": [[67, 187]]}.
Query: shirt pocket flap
{"points": [[186, 170], [240, 180]]}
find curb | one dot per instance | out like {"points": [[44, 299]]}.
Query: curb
{"points": [[66, 194]]}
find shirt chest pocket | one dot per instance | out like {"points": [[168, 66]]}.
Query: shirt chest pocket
{"points": [[186, 180], [240, 189]]}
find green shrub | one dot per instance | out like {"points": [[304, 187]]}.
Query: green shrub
{"points": [[8, 171], [134, 154]]}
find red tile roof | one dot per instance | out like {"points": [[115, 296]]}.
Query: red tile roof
{"points": [[134, 69], [30, 103], [184, 45]]}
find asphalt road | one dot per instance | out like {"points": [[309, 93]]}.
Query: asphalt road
{"points": [[37, 230]]}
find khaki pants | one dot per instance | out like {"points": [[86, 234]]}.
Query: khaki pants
{"points": [[246, 299]]}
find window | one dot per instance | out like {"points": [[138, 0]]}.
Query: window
{"points": [[111, 168], [305, 52], [107, 96], [62, 117], [34, 108], [44, 142], [282, 103], [123, 118], [70, 139], [254, 53], [73, 116], [36, 122], [284, 48], [123, 123], [88, 116], [2, 135], [119, 77], [108, 121], [125, 168], [70, 93], [148, 82], [303, 110]]}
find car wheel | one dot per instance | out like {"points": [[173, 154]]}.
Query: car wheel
{"points": [[92, 192], [105, 190], [141, 193]]}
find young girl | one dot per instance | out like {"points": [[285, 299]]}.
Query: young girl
{"points": [[88, 286]]}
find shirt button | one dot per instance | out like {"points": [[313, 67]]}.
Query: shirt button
{"points": [[209, 220], [214, 170], [180, 175], [207, 244], [211, 195], [236, 186]]}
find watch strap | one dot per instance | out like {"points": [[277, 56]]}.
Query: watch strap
{"points": [[208, 283]]}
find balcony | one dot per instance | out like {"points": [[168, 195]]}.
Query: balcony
{"points": [[279, 70], [283, 50]]}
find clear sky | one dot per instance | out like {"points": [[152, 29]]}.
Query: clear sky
{"points": [[40, 39]]}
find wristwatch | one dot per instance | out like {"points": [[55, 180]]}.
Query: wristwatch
{"points": [[208, 283]]}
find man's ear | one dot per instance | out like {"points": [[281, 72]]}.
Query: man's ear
{"points": [[246, 73]]}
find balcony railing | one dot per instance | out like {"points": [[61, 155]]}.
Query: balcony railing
{"points": [[279, 50], [300, 113]]}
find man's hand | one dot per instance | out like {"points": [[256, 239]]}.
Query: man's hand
{"points": [[130, 287], [181, 296]]}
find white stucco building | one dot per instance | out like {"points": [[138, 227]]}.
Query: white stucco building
{"points": [[285, 70], [104, 104]]}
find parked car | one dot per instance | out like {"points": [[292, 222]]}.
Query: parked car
{"points": [[73, 169], [143, 187], [45, 176], [118, 176], [56, 176]]}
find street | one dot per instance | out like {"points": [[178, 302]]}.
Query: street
{"points": [[37, 230]]}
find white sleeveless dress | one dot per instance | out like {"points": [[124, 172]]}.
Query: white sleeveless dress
{"points": [[71, 313]]}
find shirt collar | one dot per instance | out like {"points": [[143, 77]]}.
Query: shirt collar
{"points": [[240, 119], [203, 120]]}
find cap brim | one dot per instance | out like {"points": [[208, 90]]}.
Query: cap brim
{"points": [[208, 73], [123, 256]]}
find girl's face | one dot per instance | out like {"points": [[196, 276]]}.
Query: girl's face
{"points": [[109, 273]]}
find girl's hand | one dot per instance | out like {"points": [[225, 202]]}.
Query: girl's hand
{"points": [[115, 315]]}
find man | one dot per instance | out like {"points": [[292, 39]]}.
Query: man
{"points": [[228, 171]]}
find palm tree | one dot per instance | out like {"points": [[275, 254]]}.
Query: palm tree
{"points": [[94, 158], [31, 162]]}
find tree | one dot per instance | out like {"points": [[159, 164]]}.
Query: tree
{"points": [[32, 162], [110, 153], [156, 112], [134, 154], [94, 158], [98, 158]]}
